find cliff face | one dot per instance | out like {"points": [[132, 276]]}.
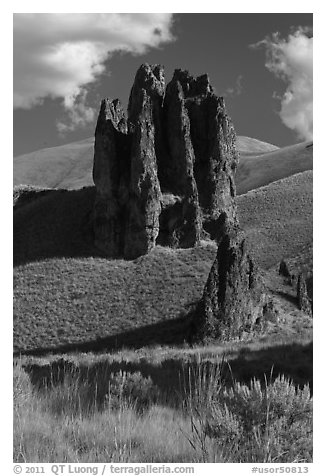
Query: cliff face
{"points": [[165, 174]]}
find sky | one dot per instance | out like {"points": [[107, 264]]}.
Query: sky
{"points": [[64, 64]]}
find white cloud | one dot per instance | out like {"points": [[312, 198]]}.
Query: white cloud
{"points": [[77, 112], [58, 55], [236, 90], [291, 59]]}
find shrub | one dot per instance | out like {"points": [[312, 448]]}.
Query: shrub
{"points": [[22, 386], [269, 422], [131, 387]]}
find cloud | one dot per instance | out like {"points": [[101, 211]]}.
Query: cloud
{"points": [[77, 112], [58, 55], [291, 59], [236, 90]]}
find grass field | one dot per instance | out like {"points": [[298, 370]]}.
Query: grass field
{"points": [[124, 408]]}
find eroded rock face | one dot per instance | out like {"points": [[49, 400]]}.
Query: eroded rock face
{"points": [[233, 302], [176, 142]]}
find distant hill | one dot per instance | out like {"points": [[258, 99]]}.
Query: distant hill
{"points": [[66, 166], [250, 146], [257, 170], [70, 166]]}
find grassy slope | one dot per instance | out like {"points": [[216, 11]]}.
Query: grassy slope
{"points": [[80, 300], [278, 218], [258, 170], [66, 166], [65, 293], [70, 166], [249, 146]]}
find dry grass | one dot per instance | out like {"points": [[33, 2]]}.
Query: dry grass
{"points": [[258, 170], [63, 301], [62, 422], [278, 218]]}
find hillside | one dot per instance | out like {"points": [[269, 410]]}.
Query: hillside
{"points": [[249, 146], [70, 166], [258, 170], [66, 293], [66, 166], [278, 218]]}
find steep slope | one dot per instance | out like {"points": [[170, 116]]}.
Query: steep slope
{"points": [[70, 166]]}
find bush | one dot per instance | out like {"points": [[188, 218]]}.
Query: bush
{"points": [[269, 422], [131, 387], [22, 386]]}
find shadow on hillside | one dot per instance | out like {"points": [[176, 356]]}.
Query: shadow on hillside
{"points": [[53, 224], [175, 376], [168, 332]]}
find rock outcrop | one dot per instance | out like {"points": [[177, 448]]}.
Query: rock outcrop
{"points": [[164, 174], [303, 298], [233, 302], [111, 176]]}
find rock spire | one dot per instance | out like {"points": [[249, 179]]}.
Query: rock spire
{"points": [[165, 173]]}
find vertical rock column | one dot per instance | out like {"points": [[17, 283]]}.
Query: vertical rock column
{"points": [[186, 230], [233, 301], [304, 302], [109, 155], [144, 207], [222, 159]]}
